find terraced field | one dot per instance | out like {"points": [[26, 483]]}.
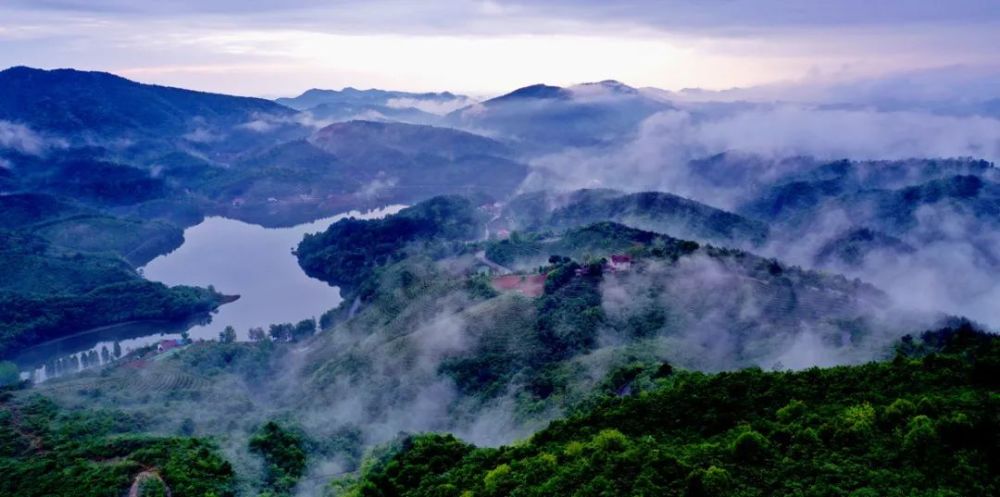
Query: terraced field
{"points": [[134, 382]]}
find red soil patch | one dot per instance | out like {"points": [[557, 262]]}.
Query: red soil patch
{"points": [[531, 285]]}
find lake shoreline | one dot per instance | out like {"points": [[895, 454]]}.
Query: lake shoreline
{"points": [[255, 279], [167, 324]]}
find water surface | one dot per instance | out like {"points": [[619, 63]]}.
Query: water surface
{"points": [[236, 258]]}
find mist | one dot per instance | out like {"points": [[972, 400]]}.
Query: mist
{"points": [[21, 138], [660, 156], [431, 106]]}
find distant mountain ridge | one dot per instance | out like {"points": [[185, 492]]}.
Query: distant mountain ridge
{"points": [[543, 118], [316, 96], [72, 101], [651, 211], [375, 104], [180, 154]]}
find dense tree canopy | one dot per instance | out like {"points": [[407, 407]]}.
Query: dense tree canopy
{"points": [[912, 426], [46, 451], [349, 250]]}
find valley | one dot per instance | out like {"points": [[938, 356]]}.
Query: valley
{"points": [[586, 289]]}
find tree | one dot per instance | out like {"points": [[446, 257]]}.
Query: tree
{"points": [[187, 427], [750, 447], [284, 455], [257, 334], [117, 350], [304, 329], [281, 332], [921, 437], [9, 373], [228, 335]]}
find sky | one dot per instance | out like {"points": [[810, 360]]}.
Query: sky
{"points": [[276, 48]]}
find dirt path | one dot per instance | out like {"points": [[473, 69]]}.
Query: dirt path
{"points": [[481, 255], [135, 489]]}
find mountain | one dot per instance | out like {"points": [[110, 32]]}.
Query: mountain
{"points": [[413, 161], [542, 118], [916, 227], [49, 292], [349, 104], [651, 211], [71, 225], [351, 96], [433, 337], [97, 104], [898, 199], [353, 164], [354, 138], [532, 92], [852, 247], [349, 251], [166, 153]]}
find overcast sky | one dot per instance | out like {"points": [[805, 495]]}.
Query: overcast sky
{"points": [[282, 47]]}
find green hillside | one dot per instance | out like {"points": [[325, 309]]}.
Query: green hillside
{"points": [[911, 426]]}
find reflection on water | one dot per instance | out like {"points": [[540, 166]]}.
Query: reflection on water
{"points": [[95, 347], [237, 258]]}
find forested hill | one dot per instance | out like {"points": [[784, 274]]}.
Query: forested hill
{"points": [[349, 250], [46, 451], [653, 211], [911, 426], [71, 101], [49, 291]]}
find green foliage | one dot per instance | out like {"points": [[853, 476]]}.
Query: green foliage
{"points": [[284, 455], [31, 265], [251, 361], [569, 312], [48, 292], [152, 487], [288, 332], [48, 452], [750, 447], [227, 335], [479, 287], [31, 319], [329, 318], [349, 251], [304, 329], [912, 427], [9, 373], [509, 251], [596, 239], [281, 332]]}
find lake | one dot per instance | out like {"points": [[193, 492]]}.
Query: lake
{"points": [[236, 258]]}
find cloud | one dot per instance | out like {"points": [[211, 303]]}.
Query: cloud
{"points": [[491, 46], [792, 130], [260, 125], [947, 90], [955, 265], [953, 268], [202, 135], [439, 107], [740, 14], [722, 313], [21, 138], [670, 14], [375, 187], [660, 155]]}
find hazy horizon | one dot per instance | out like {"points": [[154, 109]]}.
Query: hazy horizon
{"points": [[483, 48]]}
